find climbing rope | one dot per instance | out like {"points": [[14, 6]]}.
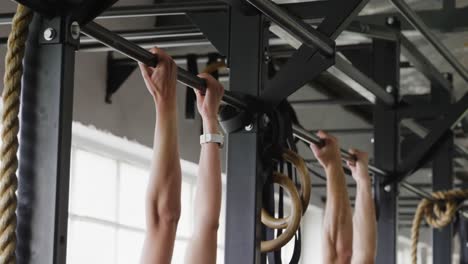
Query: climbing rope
{"points": [[10, 127], [438, 213]]}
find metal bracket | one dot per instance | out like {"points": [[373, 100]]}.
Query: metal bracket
{"points": [[58, 30], [306, 63], [118, 70], [217, 33]]}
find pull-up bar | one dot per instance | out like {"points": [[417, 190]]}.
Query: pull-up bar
{"points": [[296, 27], [417, 22], [310, 138], [142, 55], [307, 137], [139, 54]]}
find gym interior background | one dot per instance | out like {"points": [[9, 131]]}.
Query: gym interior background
{"points": [[113, 122]]}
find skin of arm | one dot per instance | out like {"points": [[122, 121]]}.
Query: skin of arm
{"points": [[163, 191], [364, 223], [338, 226], [202, 248]]}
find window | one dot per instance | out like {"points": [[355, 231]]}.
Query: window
{"points": [[108, 183]]}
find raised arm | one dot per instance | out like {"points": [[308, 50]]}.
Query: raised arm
{"points": [[203, 245], [364, 223], [163, 191], [338, 226]]}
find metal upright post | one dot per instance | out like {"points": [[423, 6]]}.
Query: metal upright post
{"points": [[386, 66], [46, 120], [442, 179], [244, 188]]}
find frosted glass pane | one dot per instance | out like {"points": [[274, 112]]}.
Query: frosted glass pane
{"points": [[220, 257], [186, 217], [129, 246], [90, 243], [179, 252], [94, 187], [133, 183], [222, 221]]}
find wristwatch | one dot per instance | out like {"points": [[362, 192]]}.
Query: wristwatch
{"points": [[212, 138]]}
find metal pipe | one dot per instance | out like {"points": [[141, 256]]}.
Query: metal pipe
{"points": [[139, 54], [415, 190], [310, 138], [159, 32], [307, 137], [163, 9], [418, 23], [296, 27], [322, 102], [117, 42], [363, 80], [372, 31]]}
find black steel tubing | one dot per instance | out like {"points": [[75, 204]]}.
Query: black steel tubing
{"points": [[310, 138], [415, 190], [367, 83], [163, 9], [419, 24], [117, 42], [159, 32], [372, 31], [296, 27], [139, 54]]}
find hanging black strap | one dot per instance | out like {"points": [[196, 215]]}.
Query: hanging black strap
{"points": [[190, 97]]}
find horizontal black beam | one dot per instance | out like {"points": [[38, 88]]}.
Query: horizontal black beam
{"points": [[322, 102], [419, 24], [295, 26], [372, 30], [351, 131], [424, 151], [444, 20], [172, 32], [364, 81], [162, 9], [422, 63]]}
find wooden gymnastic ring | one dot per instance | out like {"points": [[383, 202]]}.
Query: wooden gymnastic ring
{"points": [[298, 162], [294, 218]]}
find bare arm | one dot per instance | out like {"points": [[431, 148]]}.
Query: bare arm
{"points": [[364, 212], [203, 245], [338, 227], [163, 191]]}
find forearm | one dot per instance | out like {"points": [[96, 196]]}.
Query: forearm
{"points": [[203, 246], [338, 215], [163, 193], [364, 224], [208, 195]]}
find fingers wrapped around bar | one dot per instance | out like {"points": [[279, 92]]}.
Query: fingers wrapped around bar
{"points": [[293, 220]]}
